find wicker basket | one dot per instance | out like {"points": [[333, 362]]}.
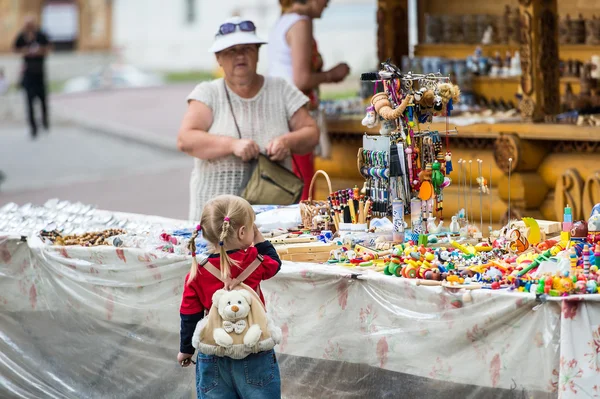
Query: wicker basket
{"points": [[311, 208]]}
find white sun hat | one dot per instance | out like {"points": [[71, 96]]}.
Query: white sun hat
{"points": [[238, 36]]}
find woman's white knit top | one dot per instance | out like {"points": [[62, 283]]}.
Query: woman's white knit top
{"points": [[261, 118]]}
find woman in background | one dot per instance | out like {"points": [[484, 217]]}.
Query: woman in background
{"points": [[294, 55], [226, 123]]}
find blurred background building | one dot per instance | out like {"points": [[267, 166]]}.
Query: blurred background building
{"points": [[72, 25], [161, 36]]}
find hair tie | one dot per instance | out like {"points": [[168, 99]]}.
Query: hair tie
{"points": [[193, 254], [198, 228], [226, 219], [221, 243]]}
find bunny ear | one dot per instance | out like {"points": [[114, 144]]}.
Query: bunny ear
{"points": [[246, 295], [217, 296]]}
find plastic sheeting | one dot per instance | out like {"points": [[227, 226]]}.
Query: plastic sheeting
{"points": [[103, 322]]}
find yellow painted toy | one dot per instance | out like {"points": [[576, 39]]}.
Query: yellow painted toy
{"points": [[535, 234], [454, 279], [565, 285], [530, 256], [483, 247], [470, 250]]}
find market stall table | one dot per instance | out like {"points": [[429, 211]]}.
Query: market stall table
{"points": [[103, 322]]}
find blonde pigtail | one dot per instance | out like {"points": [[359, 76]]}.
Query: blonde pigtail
{"points": [[222, 217], [192, 248], [225, 261]]}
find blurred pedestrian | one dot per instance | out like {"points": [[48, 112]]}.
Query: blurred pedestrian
{"points": [[33, 45], [294, 55], [229, 121]]}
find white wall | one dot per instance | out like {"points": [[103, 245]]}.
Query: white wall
{"points": [[153, 34]]}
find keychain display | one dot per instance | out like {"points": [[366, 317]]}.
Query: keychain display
{"points": [[376, 171], [415, 163]]}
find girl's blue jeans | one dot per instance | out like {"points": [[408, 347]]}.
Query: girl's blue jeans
{"points": [[255, 377]]}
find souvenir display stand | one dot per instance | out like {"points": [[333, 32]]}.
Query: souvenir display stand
{"points": [[102, 321]]}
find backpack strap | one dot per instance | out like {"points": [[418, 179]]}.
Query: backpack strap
{"points": [[239, 279], [249, 270], [211, 269]]}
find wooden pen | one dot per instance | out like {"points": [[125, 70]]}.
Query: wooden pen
{"points": [[361, 211]]}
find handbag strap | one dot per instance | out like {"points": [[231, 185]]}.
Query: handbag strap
{"points": [[237, 127]]}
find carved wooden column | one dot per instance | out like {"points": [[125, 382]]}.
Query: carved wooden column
{"points": [[392, 30], [539, 59]]}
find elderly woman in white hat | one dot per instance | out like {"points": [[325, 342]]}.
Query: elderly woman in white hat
{"points": [[230, 121]]}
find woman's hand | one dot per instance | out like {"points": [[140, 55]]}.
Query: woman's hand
{"points": [[184, 359], [278, 149], [338, 72], [245, 149]]}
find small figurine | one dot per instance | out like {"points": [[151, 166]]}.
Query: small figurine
{"points": [[448, 162], [580, 287], [488, 35], [454, 226], [431, 226], [593, 226], [579, 231], [518, 243], [515, 65], [483, 187], [437, 177], [371, 119]]}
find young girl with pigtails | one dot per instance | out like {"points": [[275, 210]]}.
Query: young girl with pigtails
{"points": [[227, 224]]}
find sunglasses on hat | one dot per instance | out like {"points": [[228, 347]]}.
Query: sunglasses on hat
{"points": [[230, 27]]}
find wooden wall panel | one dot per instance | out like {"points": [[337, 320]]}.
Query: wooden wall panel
{"points": [[12, 13], [392, 30], [459, 7], [10, 21], [576, 7]]}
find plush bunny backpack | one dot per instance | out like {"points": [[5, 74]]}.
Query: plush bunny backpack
{"points": [[237, 323]]}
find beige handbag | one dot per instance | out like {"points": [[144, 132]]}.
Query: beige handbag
{"points": [[268, 182]]}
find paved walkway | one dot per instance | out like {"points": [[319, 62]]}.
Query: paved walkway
{"points": [[150, 115], [81, 165]]}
